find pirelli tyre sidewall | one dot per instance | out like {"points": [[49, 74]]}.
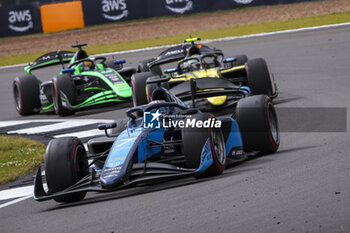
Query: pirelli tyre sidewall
{"points": [[258, 78], [258, 123], [193, 140], [26, 93], [65, 164]]}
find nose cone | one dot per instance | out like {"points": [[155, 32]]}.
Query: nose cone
{"points": [[124, 91], [218, 100]]}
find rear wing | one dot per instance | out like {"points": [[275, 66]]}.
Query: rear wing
{"points": [[50, 59]]}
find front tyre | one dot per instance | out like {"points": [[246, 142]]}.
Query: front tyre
{"points": [[26, 92], [257, 120], [65, 164], [193, 141]]}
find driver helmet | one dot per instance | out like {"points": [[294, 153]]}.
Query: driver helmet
{"points": [[193, 64], [163, 110], [86, 66]]}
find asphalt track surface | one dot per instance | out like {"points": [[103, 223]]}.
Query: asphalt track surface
{"points": [[305, 187]]}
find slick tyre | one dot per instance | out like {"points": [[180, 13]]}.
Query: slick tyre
{"points": [[26, 92], [143, 67], [259, 79], [193, 141], [257, 120], [138, 82], [65, 164], [63, 84]]}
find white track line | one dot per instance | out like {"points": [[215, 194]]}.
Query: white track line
{"points": [[213, 40], [4, 124], [82, 134], [15, 201], [16, 192], [53, 127]]}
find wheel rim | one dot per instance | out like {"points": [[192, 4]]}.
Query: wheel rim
{"points": [[18, 100], [273, 124], [219, 145]]}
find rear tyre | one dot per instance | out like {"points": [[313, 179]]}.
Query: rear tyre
{"points": [[258, 77], [26, 92], [257, 120], [143, 67], [65, 164], [138, 82], [193, 141], [63, 83]]}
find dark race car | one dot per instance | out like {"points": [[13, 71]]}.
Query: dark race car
{"points": [[169, 141], [86, 82], [210, 71]]}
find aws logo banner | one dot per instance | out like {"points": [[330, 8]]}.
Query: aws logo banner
{"points": [[20, 20], [114, 10], [109, 11], [179, 6]]}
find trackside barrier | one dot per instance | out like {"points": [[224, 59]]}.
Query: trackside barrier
{"points": [[62, 16], [31, 18], [107, 11], [20, 20]]}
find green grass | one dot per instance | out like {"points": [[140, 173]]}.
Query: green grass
{"points": [[18, 156], [212, 34]]}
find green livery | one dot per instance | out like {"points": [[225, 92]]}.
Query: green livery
{"points": [[86, 82]]}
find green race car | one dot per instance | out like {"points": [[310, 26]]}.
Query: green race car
{"points": [[86, 82]]}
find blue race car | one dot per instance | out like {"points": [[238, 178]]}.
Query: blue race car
{"points": [[162, 140]]}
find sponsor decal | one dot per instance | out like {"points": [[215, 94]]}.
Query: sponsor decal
{"points": [[157, 120], [114, 78], [151, 120], [243, 1], [114, 10], [173, 52], [179, 6], [20, 21]]}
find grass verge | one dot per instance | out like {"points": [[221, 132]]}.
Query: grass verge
{"points": [[212, 34], [18, 156]]}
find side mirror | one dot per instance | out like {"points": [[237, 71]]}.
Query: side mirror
{"points": [[106, 126], [68, 70], [230, 59], [120, 61], [169, 71]]}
